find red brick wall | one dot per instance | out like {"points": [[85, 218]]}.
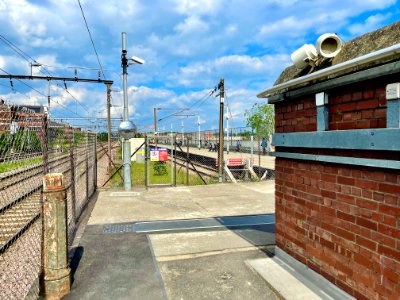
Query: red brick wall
{"points": [[358, 107], [295, 116], [342, 221], [363, 107]]}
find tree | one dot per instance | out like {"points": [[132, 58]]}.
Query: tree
{"points": [[261, 118], [102, 137]]}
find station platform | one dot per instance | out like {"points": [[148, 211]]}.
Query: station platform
{"points": [[197, 242], [175, 243], [265, 161]]}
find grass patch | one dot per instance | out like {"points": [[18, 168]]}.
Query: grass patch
{"points": [[8, 166], [138, 176]]}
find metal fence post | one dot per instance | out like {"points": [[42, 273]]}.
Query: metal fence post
{"points": [[187, 161], [95, 162], [252, 149], [175, 160], [172, 159], [146, 162], [72, 165], [87, 167], [56, 273], [45, 145]]}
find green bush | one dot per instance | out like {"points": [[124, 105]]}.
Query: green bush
{"points": [[160, 168]]}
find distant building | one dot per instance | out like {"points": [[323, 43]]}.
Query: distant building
{"points": [[22, 116]]}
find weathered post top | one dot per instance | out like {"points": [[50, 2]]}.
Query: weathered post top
{"points": [[53, 182]]}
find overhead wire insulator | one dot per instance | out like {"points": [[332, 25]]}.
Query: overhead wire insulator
{"points": [[12, 85]]}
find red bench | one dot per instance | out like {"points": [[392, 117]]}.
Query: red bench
{"points": [[234, 162]]}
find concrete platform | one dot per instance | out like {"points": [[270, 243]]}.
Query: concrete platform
{"points": [[114, 267], [207, 262], [184, 202], [203, 263]]}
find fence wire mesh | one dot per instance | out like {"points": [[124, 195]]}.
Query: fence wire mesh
{"points": [[30, 146], [21, 172], [192, 159], [242, 150]]}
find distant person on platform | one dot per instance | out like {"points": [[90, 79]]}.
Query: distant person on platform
{"points": [[238, 145], [264, 145]]}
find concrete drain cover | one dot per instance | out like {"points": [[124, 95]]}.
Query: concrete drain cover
{"points": [[125, 194], [118, 228]]}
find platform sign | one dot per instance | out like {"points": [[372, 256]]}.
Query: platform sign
{"points": [[158, 154]]}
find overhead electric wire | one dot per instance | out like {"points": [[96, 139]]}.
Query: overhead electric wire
{"points": [[30, 59], [24, 83], [172, 115], [39, 92], [16, 49], [200, 101], [91, 39]]}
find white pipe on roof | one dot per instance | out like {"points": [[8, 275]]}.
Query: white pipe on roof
{"points": [[380, 54]]}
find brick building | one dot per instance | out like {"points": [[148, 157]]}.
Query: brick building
{"points": [[14, 117], [338, 165]]}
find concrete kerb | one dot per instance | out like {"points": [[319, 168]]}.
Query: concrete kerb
{"points": [[291, 280]]}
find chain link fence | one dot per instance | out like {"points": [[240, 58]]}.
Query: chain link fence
{"points": [[21, 172], [31, 146], [242, 151], [170, 159], [72, 152]]}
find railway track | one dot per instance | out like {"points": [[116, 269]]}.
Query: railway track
{"points": [[207, 165], [19, 156], [20, 194]]}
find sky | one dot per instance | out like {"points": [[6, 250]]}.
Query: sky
{"points": [[187, 45]]}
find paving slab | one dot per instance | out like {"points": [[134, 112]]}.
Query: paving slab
{"points": [[223, 276], [114, 266], [184, 203], [168, 245], [201, 264]]}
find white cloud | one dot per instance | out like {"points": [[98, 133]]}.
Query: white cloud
{"points": [[188, 45], [371, 23], [234, 67], [198, 7], [191, 25]]}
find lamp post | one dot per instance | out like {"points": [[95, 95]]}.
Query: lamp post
{"points": [[127, 128]]}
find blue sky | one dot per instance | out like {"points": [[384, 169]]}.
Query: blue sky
{"points": [[188, 46]]}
